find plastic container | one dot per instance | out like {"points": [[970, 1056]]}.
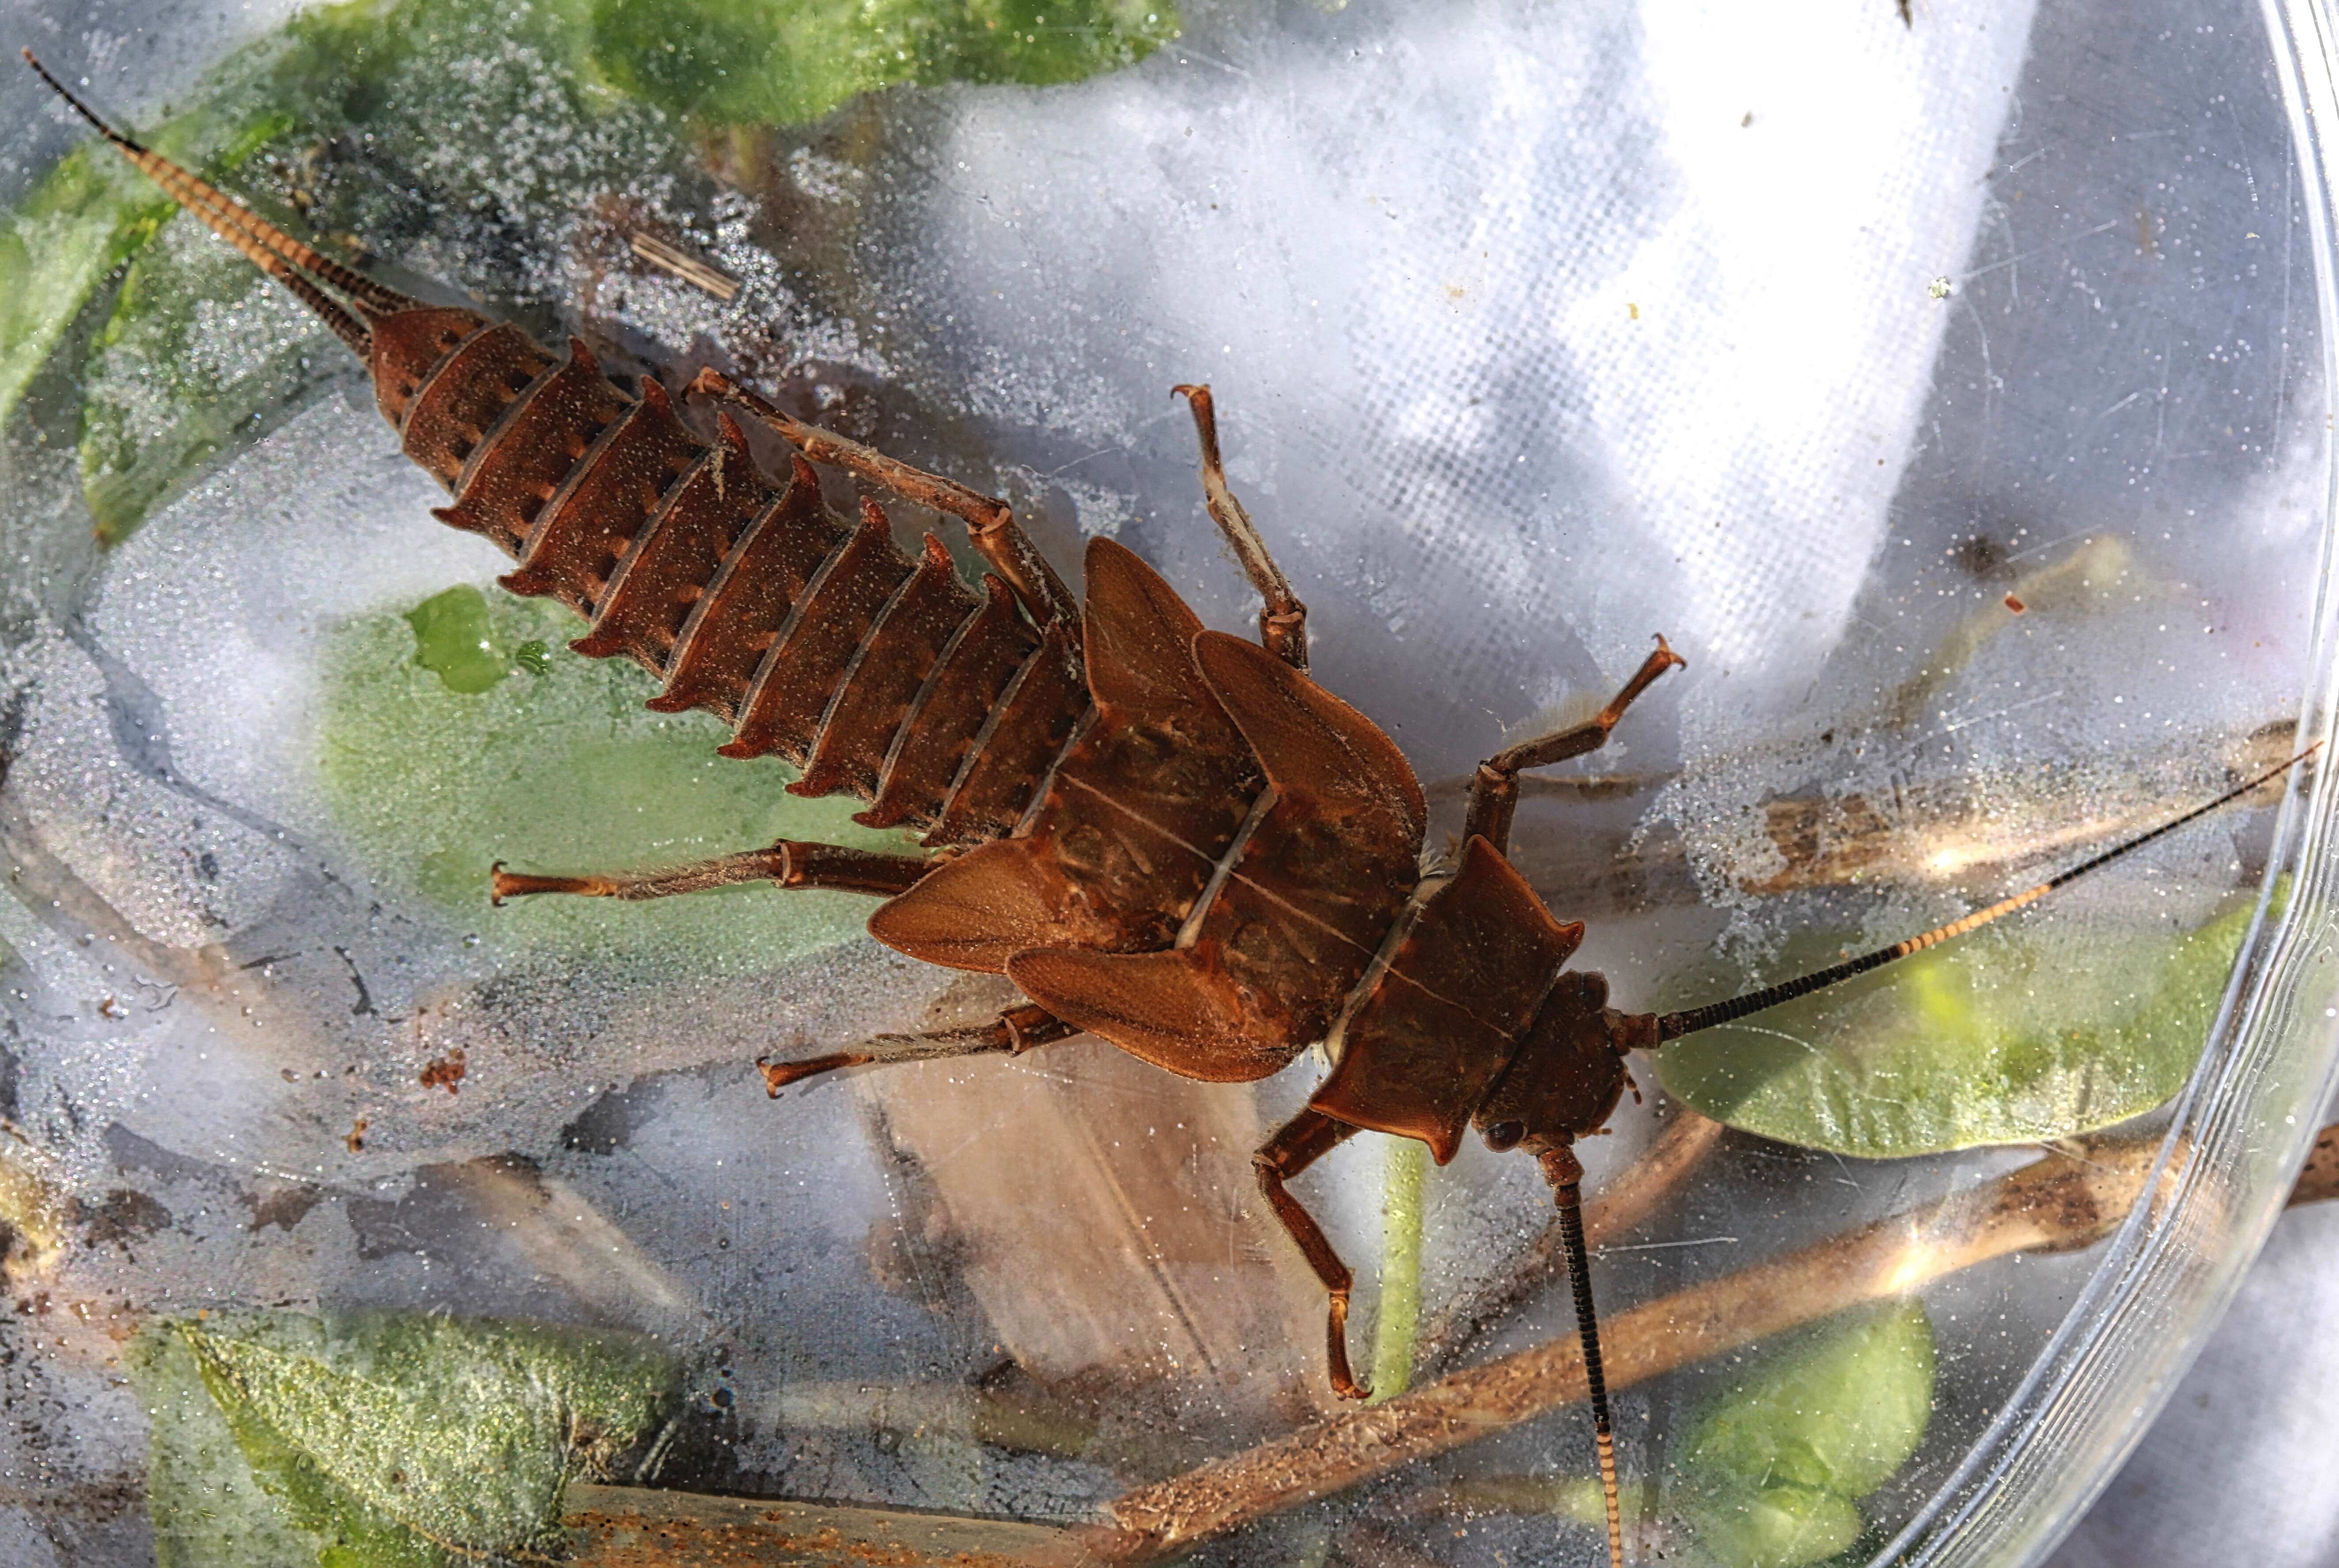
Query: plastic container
{"points": [[1952, 392]]}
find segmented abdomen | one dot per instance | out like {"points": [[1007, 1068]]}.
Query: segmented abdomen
{"points": [[814, 638]]}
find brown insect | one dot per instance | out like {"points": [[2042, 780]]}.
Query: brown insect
{"points": [[1165, 836]]}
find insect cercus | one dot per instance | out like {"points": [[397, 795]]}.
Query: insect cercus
{"points": [[1165, 836]]}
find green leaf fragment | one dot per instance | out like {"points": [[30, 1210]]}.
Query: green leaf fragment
{"points": [[434, 783], [2013, 1035], [1776, 1527], [209, 1505], [201, 352], [88, 215], [200, 349], [394, 1441], [1836, 1410], [786, 61], [1770, 1472], [452, 640]]}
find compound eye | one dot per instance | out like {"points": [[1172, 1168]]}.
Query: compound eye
{"points": [[1505, 1135]]}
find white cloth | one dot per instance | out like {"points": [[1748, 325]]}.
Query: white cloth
{"points": [[1522, 317]]}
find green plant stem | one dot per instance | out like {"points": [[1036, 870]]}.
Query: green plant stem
{"points": [[1398, 1322]]}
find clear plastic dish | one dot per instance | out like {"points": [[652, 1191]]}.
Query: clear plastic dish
{"points": [[1952, 389]]}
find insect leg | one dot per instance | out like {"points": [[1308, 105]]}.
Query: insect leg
{"points": [[1297, 1145], [1282, 619], [1011, 1033], [788, 863], [1565, 1175], [1494, 791], [989, 522]]}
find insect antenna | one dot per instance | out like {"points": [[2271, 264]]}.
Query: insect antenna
{"points": [[1565, 1174], [301, 268], [1674, 1025]]}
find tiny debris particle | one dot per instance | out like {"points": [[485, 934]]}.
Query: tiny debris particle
{"points": [[683, 265], [356, 1139], [1940, 288], [2017, 605], [1748, 121], [1635, 309], [113, 1009], [445, 1072]]}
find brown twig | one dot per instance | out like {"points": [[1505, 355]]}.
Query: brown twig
{"points": [[2061, 1203], [1019, 1421], [1965, 831], [668, 258], [2058, 1204], [633, 1527]]}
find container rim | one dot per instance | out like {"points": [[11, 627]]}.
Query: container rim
{"points": [[2244, 1121]]}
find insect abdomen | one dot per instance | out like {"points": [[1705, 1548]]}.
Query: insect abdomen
{"points": [[815, 640]]}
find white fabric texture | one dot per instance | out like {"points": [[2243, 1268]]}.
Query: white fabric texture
{"points": [[1648, 283]]}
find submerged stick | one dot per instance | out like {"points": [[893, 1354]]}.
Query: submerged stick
{"points": [[1629, 1198], [1952, 829], [698, 274], [2058, 1204], [637, 1527], [1015, 1421]]}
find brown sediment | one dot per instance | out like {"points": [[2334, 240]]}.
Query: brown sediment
{"points": [[445, 1072], [356, 1139]]}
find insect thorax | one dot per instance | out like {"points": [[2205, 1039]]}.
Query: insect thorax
{"points": [[1456, 993]]}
